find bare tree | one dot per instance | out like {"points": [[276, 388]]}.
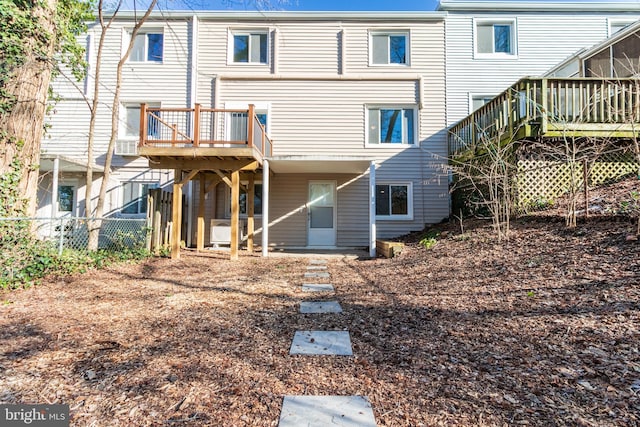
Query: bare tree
{"points": [[487, 179], [94, 226], [95, 223]]}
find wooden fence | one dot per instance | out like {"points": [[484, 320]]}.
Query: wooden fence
{"points": [[159, 219]]}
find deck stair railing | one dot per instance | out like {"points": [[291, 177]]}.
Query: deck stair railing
{"points": [[202, 127], [552, 107]]}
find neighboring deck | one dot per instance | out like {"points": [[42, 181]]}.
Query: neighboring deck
{"points": [[535, 108], [202, 138]]}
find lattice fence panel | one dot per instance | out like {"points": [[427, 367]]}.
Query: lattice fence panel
{"points": [[611, 167], [541, 182]]}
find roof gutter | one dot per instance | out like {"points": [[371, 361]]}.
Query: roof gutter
{"points": [[225, 15], [513, 6]]}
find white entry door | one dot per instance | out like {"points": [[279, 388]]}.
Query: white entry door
{"points": [[321, 210]]}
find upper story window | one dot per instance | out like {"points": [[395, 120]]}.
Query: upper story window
{"points": [[250, 47], [495, 38], [388, 48], [392, 125], [148, 47]]}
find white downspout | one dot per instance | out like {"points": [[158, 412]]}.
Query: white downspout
{"points": [[54, 187], [372, 209], [265, 208]]}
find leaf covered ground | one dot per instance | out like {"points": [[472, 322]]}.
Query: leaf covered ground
{"points": [[541, 330]]}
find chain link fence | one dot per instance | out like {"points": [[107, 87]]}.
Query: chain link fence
{"points": [[73, 232]]}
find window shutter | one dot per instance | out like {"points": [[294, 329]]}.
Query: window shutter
{"points": [[374, 126]]}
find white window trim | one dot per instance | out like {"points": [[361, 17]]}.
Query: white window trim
{"points": [[390, 32], [409, 216], [496, 55], [152, 185], [227, 208], [122, 113], [126, 37], [389, 145], [247, 31], [473, 95]]}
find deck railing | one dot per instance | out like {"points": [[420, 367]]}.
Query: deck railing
{"points": [[202, 127], [551, 107]]}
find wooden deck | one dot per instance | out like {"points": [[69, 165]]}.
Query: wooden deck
{"points": [[211, 146], [202, 138], [552, 108]]}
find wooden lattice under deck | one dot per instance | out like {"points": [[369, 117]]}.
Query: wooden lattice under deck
{"points": [[542, 181]]}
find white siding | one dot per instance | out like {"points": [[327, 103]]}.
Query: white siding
{"points": [[165, 83], [544, 39]]}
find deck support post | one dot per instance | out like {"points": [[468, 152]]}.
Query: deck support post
{"points": [[235, 213], [250, 212], [200, 228], [265, 208], [372, 209], [176, 214]]}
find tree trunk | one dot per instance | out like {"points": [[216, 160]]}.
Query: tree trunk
{"points": [[21, 127]]}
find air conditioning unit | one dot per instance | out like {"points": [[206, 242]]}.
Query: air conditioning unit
{"points": [[126, 148], [220, 231]]}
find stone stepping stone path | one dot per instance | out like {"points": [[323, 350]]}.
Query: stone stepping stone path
{"points": [[316, 275], [311, 307], [317, 287], [323, 411], [328, 343]]}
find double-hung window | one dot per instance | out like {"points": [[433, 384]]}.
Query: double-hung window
{"points": [[250, 47], [394, 200], [134, 197], [148, 47], [495, 38], [392, 125], [389, 48]]}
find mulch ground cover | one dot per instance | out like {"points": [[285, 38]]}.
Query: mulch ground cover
{"points": [[542, 330]]}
